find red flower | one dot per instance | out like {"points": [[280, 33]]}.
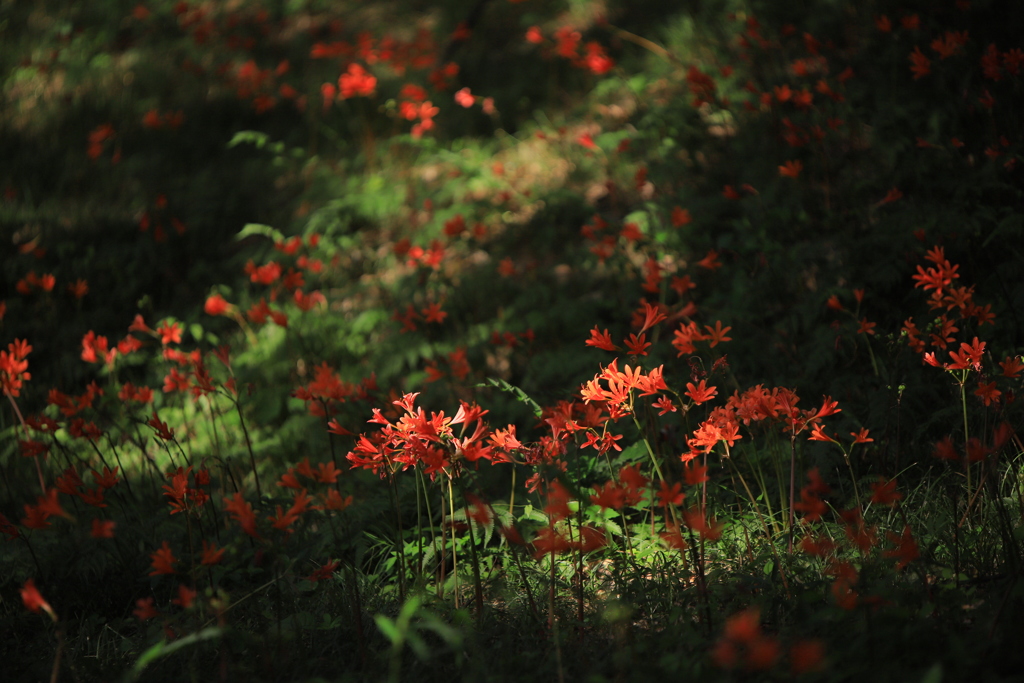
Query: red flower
{"points": [[324, 572], [885, 493], [920, 65], [861, 436], [680, 217], [216, 305], [103, 528], [464, 98], [34, 601], [163, 560], [211, 554], [356, 81], [185, 596], [700, 393], [791, 169], [717, 333], [637, 346], [170, 333], [14, 367], [433, 313], [242, 512], [710, 261], [144, 609]]}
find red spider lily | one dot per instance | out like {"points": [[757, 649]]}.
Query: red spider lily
{"points": [[185, 596], [325, 571], [596, 60], [862, 536], [327, 473], [949, 44], [102, 529], [861, 436], [717, 333], [818, 434], [791, 169], [216, 305], [821, 546], [842, 589], [680, 217], [742, 636], [865, 327], [700, 393], [163, 560], [79, 288], [108, 479], [637, 345], [94, 349], [356, 81], [969, 356], [670, 495], [664, 405], [433, 313], [652, 316], [601, 340], [945, 450], [988, 393], [33, 599], [609, 495], [144, 609], [707, 528], [549, 542], [920, 65], [169, 333], [334, 501], [806, 656], [242, 513], [93, 497], [695, 474], [710, 261], [905, 548], [464, 98], [161, 428], [893, 195], [284, 520], [211, 554]]}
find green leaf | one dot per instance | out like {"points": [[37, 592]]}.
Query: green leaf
{"points": [[163, 649], [519, 394], [260, 229], [389, 629], [934, 674], [252, 137]]}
